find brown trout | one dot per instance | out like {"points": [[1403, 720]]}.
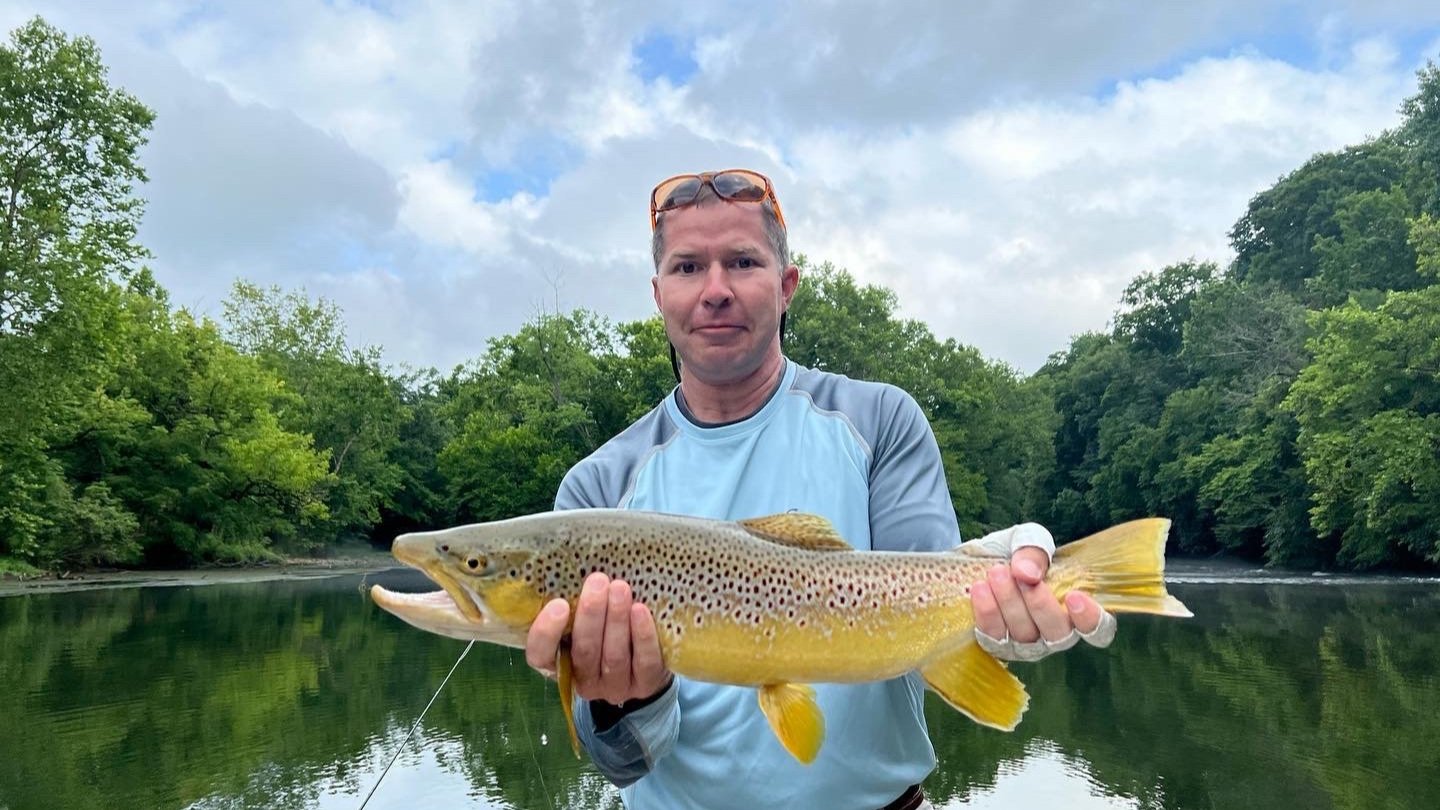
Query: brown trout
{"points": [[775, 602]]}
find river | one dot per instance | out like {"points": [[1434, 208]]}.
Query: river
{"points": [[1303, 692]]}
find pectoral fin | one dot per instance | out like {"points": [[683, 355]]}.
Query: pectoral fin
{"points": [[978, 684], [796, 720], [564, 679]]}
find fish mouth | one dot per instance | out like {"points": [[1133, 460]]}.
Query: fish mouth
{"points": [[438, 612], [448, 611], [463, 599]]}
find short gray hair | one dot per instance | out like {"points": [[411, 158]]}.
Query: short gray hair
{"points": [[774, 231]]}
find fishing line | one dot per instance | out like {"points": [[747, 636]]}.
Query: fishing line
{"points": [[406, 741], [539, 771]]}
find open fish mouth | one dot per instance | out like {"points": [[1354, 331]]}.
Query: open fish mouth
{"points": [[460, 600], [451, 611], [418, 550], [463, 599], [447, 613], [430, 602]]}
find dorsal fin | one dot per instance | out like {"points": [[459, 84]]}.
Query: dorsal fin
{"points": [[799, 530]]}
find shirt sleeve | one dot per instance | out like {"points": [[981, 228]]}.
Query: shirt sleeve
{"points": [[1006, 542], [628, 749], [910, 508]]}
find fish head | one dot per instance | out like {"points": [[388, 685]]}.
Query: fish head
{"points": [[490, 588]]}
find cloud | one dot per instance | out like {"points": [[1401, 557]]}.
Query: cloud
{"points": [[444, 169], [245, 189], [1017, 226]]}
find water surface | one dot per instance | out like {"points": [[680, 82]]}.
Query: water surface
{"points": [[1291, 692]]}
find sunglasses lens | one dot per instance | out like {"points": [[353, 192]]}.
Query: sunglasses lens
{"points": [[677, 192], [740, 186]]}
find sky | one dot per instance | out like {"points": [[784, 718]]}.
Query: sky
{"points": [[446, 170]]}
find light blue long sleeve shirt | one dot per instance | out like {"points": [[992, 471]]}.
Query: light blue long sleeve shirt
{"points": [[862, 455]]}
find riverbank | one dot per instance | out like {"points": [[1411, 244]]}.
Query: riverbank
{"points": [[365, 561], [352, 562]]}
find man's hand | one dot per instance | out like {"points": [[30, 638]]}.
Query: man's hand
{"points": [[614, 649], [1018, 618]]}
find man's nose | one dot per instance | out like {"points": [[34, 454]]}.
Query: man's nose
{"points": [[717, 292]]}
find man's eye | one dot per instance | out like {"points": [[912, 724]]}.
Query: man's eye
{"points": [[686, 268], [745, 262]]}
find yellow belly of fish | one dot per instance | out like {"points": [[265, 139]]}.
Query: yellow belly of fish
{"points": [[833, 648]]}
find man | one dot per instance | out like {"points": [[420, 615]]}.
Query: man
{"points": [[748, 433]]}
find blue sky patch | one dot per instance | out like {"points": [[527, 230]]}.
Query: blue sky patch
{"points": [[532, 169], [1302, 49], [658, 54]]}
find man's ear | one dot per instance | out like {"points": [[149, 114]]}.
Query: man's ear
{"points": [[789, 280], [655, 289]]}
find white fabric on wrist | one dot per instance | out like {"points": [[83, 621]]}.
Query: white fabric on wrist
{"points": [[1005, 542], [1008, 649]]}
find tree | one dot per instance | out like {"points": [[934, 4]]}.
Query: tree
{"points": [[536, 403], [345, 400], [993, 431], [1273, 240], [1371, 253], [1421, 133], [68, 216], [187, 435], [1369, 413], [68, 165], [1155, 306]]}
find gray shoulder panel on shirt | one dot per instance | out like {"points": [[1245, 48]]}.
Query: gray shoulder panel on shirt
{"points": [[867, 407], [606, 478]]}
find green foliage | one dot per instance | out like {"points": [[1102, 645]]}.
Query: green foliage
{"points": [[68, 216], [993, 429], [91, 527], [1369, 413], [189, 438], [68, 163], [345, 400], [539, 401], [1371, 252], [1274, 239], [1282, 408], [1421, 134], [1157, 305]]}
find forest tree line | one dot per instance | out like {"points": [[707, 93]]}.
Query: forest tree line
{"points": [[1285, 408]]}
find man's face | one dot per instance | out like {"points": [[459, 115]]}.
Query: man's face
{"points": [[720, 292]]}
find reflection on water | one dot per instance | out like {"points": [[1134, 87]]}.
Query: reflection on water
{"points": [[1043, 777], [296, 695]]}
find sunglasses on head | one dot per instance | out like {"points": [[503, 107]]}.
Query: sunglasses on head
{"points": [[735, 185]]}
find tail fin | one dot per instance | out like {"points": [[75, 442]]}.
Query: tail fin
{"points": [[1123, 567]]}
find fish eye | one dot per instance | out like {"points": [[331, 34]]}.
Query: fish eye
{"points": [[474, 563]]}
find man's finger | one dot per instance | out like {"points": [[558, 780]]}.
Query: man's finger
{"points": [[1084, 611], [588, 636], [615, 657], [987, 611], [543, 640], [648, 665], [1012, 605], [1045, 610], [1029, 564]]}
